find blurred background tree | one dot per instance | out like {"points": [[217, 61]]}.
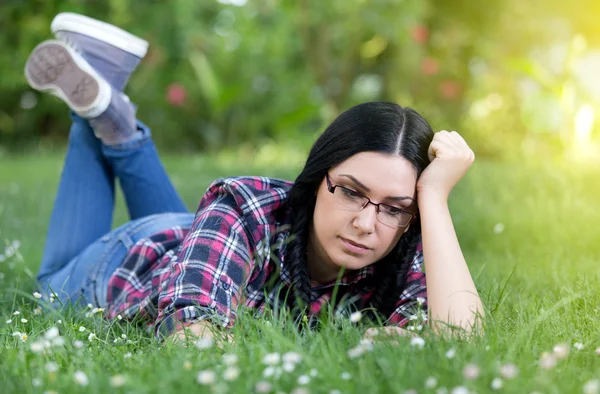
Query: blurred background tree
{"points": [[516, 78]]}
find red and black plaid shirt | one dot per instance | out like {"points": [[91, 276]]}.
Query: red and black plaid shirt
{"points": [[233, 254]]}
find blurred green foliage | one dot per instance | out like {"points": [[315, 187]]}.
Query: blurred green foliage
{"points": [[229, 72]]}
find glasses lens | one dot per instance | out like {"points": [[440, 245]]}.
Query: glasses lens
{"points": [[349, 198], [399, 219]]}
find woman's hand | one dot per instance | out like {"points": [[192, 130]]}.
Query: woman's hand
{"points": [[450, 158]]}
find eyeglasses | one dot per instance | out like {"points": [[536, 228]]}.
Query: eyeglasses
{"points": [[354, 201]]}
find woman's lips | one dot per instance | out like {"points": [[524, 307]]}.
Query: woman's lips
{"points": [[355, 247]]}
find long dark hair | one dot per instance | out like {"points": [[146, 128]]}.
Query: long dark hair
{"points": [[370, 127]]}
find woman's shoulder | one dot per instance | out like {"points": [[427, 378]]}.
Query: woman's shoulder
{"points": [[256, 196]]}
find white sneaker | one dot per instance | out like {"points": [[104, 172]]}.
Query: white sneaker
{"points": [[56, 68], [102, 31]]}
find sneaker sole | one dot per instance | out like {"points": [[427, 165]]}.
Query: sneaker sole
{"points": [[55, 68], [68, 21]]}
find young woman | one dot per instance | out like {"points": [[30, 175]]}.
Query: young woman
{"points": [[367, 216]]}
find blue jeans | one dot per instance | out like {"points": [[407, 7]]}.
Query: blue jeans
{"points": [[81, 251]]}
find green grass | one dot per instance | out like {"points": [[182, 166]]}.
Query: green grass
{"points": [[538, 279]]}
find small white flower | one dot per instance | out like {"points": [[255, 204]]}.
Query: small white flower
{"points": [[36, 382], [206, 377], [231, 373], [37, 295], [288, 367], [271, 359], [431, 382], [471, 372], [116, 340], [9, 321], [346, 376], [561, 351], [303, 379], [591, 387], [37, 347], [117, 381], [123, 336], [498, 228], [417, 342], [268, 372], [292, 357], [356, 352], [81, 329], [355, 317], [92, 336], [51, 367], [16, 313], [451, 353], [497, 384], [578, 346], [78, 344], [548, 361], [37, 311], [313, 372], [81, 378], [420, 300], [263, 387], [51, 333], [58, 341], [509, 371], [204, 343], [597, 351], [127, 355], [460, 390], [21, 335], [90, 306], [23, 320], [59, 321], [230, 359]]}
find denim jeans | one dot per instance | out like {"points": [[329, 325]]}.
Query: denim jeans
{"points": [[81, 252]]}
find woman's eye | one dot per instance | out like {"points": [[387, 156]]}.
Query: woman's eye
{"points": [[351, 193], [394, 211]]}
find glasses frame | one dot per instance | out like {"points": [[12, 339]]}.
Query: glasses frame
{"points": [[331, 187]]}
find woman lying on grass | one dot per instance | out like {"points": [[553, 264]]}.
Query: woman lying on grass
{"points": [[367, 218]]}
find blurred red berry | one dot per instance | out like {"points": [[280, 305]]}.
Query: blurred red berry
{"points": [[450, 89], [430, 66], [176, 94], [420, 34]]}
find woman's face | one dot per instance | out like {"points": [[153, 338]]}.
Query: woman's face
{"points": [[343, 238]]}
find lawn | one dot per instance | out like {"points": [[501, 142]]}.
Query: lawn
{"points": [[529, 234]]}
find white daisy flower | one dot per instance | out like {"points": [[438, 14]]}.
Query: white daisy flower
{"points": [[117, 381], [578, 346], [288, 367], [509, 371], [16, 313], [356, 317], [78, 344], [23, 320], [231, 373], [82, 329], [471, 372], [431, 382], [37, 295], [591, 387], [263, 387], [51, 367], [451, 353], [127, 355], [346, 376], [92, 336], [206, 377], [292, 357], [51, 333], [271, 359], [561, 351], [81, 378], [417, 342], [497, 384], [460, 390], [303, 379], [204, 343], [9, 321]]}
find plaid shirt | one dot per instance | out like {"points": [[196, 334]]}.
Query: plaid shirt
{"points": [[233, 255]]}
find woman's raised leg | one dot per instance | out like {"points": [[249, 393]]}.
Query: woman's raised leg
{"points": [[84, 203]]}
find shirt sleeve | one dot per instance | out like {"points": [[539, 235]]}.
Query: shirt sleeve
{"points": [[209, 272], [412, 304]]}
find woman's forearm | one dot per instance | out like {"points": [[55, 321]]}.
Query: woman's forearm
{"points": [[451, 294]]}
